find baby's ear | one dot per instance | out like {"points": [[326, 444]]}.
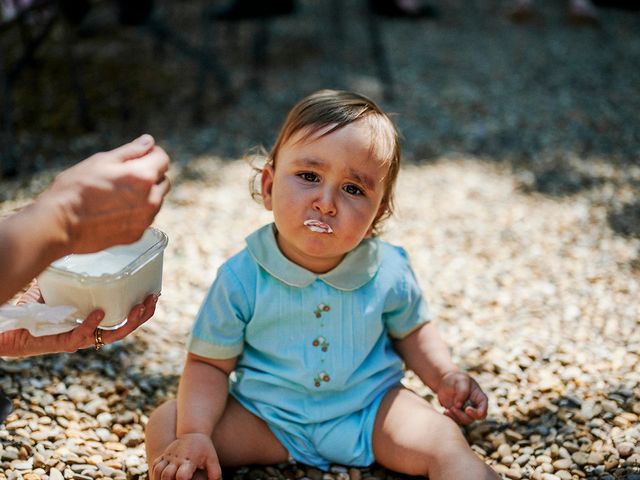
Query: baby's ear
{"points": [[266, 186]]}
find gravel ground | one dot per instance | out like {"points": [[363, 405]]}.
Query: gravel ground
{"points": [[518, 204]]}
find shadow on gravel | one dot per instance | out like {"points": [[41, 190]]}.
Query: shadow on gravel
{"points": [[625, 220], [531, 427], [117, 362], [539, 425], [538, 421], [293, 471], [561, 180], [151, 389], [625, 473]]}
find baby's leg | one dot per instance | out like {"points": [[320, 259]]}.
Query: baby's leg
{"points": [[410, 437], [240, 438]]}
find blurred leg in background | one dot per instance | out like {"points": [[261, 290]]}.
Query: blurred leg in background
{"points": [[403, 8], [246, 9], [582, 12]]}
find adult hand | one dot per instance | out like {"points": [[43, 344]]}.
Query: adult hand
{"points": [[109, 198], [462, 397], [185, 455], [21, 343]]}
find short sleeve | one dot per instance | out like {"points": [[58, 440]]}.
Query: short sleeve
{"points": [[218, 331], [405, 308]]}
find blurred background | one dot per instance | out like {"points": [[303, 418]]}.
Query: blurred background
{"points": [[85, 76], [519, 201], [556, 99]]}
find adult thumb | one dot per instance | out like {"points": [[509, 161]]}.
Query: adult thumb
{"points": [[136, 148]]}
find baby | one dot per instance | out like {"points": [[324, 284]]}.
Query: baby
{"points": [[297, 351]]}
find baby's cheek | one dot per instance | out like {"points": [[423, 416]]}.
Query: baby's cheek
{"points": [[354, 237]]}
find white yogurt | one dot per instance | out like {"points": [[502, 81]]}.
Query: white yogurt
{"points": [[114, 279], [97, 264], [318, 226]]}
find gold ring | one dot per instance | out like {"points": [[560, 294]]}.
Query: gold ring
{"points": [[97, 338]]}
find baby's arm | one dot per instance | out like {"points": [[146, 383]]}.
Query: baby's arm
{"points": [[425, 352], [202, 396]]}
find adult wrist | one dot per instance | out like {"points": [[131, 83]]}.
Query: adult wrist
{"points": [[49, 215]]}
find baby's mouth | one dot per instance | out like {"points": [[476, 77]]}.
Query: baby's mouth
{"points": [[318, 226]]}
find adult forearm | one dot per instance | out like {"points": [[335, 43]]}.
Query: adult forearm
{"points": [[29, 241], [202, 396], [108, 199]]}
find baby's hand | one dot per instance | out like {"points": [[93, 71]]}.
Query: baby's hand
{"points": [[184, 456], [462, 398]]}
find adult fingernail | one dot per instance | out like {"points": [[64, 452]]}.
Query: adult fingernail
{"points": [[144, 140]]}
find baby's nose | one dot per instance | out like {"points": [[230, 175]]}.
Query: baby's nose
{"points": [[325, 204]]}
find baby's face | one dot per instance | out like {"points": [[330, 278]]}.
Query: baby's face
{"points": [[325, 192]]}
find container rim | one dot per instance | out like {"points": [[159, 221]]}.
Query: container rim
{"points": [[143, 259]]}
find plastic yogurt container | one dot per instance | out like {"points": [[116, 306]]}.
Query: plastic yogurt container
{"points": [[114, 279]]}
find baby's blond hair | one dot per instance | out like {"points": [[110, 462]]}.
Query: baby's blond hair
{"points": [[336, 109]]}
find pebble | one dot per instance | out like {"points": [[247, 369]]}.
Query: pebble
{"points": [[117, 447], [111, 472], [83, 467], [549, 476], [355, 474], [562, 464], [104, 419], [133, 438], [540, 459], [133, 461], [504, 450], [513, 474], [55, 474], [625, 449], [314, 474], [595, 458], [95, 406], [22, 465], [104, 435], [10, 453], [78, 394], [581, 458]]}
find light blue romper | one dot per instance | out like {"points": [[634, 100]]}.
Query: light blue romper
{"points": [[315, 357]]}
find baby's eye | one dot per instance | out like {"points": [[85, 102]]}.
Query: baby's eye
{"points": [[309, 176], [352, 189]]}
